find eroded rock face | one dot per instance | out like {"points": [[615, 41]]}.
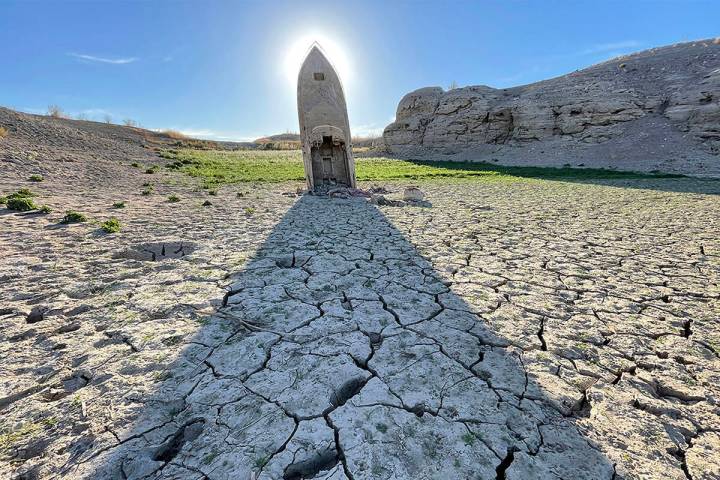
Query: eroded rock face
{"points": [[654, 110]]}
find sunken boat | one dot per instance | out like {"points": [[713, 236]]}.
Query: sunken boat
{"points": [[324, 125]]}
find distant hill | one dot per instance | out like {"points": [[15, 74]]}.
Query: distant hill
{"points": [[280, 137], [654, 110], [285, 141], [90, 135], [30, 131], [280, 141]]}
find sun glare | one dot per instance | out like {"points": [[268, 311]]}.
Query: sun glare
{"points": [[334, 51]]}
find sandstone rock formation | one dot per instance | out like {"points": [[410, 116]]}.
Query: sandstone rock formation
{"points": [[654, 110]]}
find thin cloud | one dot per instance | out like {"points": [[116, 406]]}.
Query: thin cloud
{"points": [[95, 111], [207, 134], [369, 130], [112, 61], [35, 111], [201, 133], [611, 47], [510, 80]]}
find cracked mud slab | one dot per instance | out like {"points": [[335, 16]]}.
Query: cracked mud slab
{"points": [[512, 330]]}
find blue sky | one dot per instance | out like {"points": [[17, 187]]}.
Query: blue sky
{"points": [[221, 69]]}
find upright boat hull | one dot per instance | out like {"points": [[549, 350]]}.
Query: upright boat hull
{"points": [[324, 125]]}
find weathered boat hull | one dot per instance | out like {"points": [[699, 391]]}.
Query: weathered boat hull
{"points": [[324, 125]]}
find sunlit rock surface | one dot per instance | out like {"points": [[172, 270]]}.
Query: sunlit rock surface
{"points": [[655, 110]]}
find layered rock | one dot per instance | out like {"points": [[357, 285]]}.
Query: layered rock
{"points": [[654, 110]]}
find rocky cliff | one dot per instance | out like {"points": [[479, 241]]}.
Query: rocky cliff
{"points": [[654, 110]]}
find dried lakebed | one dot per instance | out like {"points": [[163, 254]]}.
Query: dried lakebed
{"points": [[529, 329]]}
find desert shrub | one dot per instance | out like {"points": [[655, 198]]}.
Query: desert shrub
{"points": [[71, 216], [55, 111], [173, 199], [3, 132], [152, 169], [174, 165], [45, 209], [23, 204], [249, 210], [212, 192], [207, 203], [135, 164], [149, 188], [111, 225], [22, 193], [119, 205], [174, 134], [36, 178], [3, 200]]}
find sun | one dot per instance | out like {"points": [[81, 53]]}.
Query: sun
{"points": [[334, 51]]}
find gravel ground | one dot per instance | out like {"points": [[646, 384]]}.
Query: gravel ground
{"points": [[519, 329]]}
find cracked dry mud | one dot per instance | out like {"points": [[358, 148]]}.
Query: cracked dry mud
{"points": [[514, 330]]}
